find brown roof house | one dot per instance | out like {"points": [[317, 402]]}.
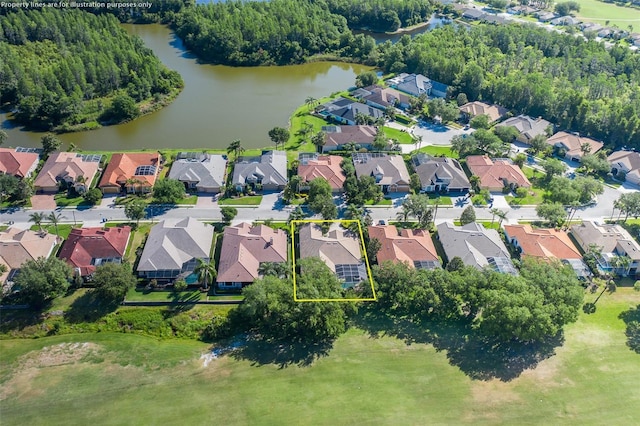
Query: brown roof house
{"points": [[73, 169], [496, 174], [440, 174], [528, 127], [471, 109], [173, 248], [613, 241], [339, 136], [339, 249], [87, 248], [546, 244], [414, 247], [569, 145], [244, 248], [322, 166], [389, 171], [18, 246], [18, 164], [131, 173], [625, 165], [382, 97]]}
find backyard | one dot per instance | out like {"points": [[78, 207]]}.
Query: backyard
{"points": [[429, 376]]}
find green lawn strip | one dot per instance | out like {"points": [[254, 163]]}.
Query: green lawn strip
{"points": [[531, 199], [399, 135], [437, 150], [383, 202], [135, 240], [590, 379], [442, 200], [121, 201], [62, 200], [63, 229], [252, 200], [601, 12], [142, 295]]}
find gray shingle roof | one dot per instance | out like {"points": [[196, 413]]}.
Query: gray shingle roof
{"points": [[432, 171], [173, 242], [391, 167], [206, 170], [271, 168]]}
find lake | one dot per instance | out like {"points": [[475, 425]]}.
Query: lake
{"points": [[218, 104]]}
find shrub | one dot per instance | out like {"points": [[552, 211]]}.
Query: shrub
{"points": [[180, 285], [521, 192], [636, 286]]}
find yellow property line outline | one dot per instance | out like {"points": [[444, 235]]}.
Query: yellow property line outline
{"points": [[364, 252]]}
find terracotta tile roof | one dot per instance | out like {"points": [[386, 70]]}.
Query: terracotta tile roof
{"points": [[572, 143], [410, 246], [493, 173], [545, 243], [17, 163], [495, 112], [325, 166], [65, 165], [86, 244], [123, 167], [244, 247]]}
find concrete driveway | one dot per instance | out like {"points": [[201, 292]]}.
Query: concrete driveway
{"points": [[43, 202]]}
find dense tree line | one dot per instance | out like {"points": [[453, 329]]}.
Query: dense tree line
{"points": [[381, 15], [57, 65], [531, 306], [263, 33], [576, 84]]}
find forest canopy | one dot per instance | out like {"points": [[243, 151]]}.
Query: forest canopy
{"points": [[61, 68]]}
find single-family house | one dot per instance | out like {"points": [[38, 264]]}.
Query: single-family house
{"points": [[625, 165], [67, 168], [565, 20], [173, 248], [268, 171], [339, 136], [569, 145], [471, 109], [497, 174], [131, 173], [87, 248], [328, 167], [473, 14], [18, 246], [528, 127], [346, 111], [201, 172], [339, 249], [418, 84], [440, 174], [414, 247], [476, 245], [17, 163], [634, 38], [619, 251], [591, 27], [244, 248], [547, 244], [521, 10], [492, 18], [544, 16], [389, 171], [382, 97]]}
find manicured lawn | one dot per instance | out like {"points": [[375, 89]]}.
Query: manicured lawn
{"points": [[63, 201], [142, 295], [299, 117], [535, 196], [63, 229], [438, 150], [135, 241], [442, 200], [400, 136], [383, 202], [600, 12], [188, 200], [252, 200], [592, 378]]}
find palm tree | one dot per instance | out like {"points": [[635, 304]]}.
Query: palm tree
{"points": [[310, 101], [502, 215], [55, 218], [236, 148], [296, 214], [72, 147], [574, 208], [268, 269], [319, 139], [585, 148], [354, 212], [620, 264], [493, 212], [475, 182], [206, 272], [37, 218]]}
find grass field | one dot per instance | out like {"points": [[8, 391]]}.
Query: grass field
{"points": [[253, 200], [400, 136], [439, 150], [121, 379], [600, 12]]}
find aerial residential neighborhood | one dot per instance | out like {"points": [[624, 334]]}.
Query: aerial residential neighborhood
{"points": [[319, 212]]}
